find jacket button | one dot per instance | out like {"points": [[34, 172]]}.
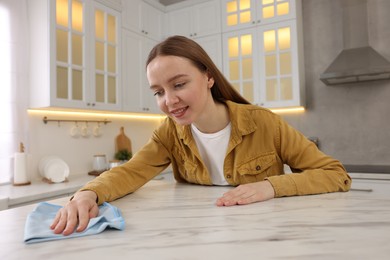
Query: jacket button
{"points": [[258, 168], [228, 176]]}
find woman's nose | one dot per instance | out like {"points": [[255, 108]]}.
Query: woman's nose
{"points": [[171, 98]]}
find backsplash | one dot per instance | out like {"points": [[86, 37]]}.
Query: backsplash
{"points": [[77, 151]]}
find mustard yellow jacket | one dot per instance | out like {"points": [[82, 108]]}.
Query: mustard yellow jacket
{"points": [[261, 143]]}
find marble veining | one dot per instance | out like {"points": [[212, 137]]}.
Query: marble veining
{"points": [[165, 220]]}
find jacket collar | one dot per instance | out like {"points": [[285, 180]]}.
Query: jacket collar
{"points": [[240, 118]]}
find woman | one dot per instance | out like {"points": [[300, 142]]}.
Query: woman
{"points": [[212, 136]]}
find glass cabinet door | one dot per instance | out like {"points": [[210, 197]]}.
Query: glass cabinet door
{"points": [[277, 64], [239, 64], [106, 82], [70, 54]]}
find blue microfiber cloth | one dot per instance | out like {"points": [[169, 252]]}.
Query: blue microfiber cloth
{"points": [[37, 228]]}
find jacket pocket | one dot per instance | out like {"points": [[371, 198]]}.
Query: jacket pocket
{"points": [[186, 168], [256, 169]]}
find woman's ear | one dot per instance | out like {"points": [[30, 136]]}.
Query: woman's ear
{"points": [[210, 80]]}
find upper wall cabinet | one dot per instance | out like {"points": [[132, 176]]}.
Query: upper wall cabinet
{"points": [[264, 61], [239, 14], [195, 21], [142, 18], [75, 54]]}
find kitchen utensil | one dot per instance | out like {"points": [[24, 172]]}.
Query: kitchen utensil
{"points": [[122, 142], [53, 169]]}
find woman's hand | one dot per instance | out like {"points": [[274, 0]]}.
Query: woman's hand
{"points": [[247, 193], [76, 212]]}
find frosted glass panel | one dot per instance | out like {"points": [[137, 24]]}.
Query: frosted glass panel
{"points": [[270, 65], [286, 88], [99, 90], [267, 2], [77, 15], [269, 41], [285, 63], [231, 7], [111, 29], [77, 49], [283, 8], [245, 17], [271, 90], [232, 20], [246, 44], [236, 86], [248, 91], [62, 12], [247, 68], [111, 53], [112, 90], [245, 4], [233, 47], [99, 24], [268, 12], [62, 82], [234, 70], [99, 55], [62, 46], [77, 85], [284, 38]]}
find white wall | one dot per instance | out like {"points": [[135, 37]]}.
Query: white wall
{"points": [[54, 139]]}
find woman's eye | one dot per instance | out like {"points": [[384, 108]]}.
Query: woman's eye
{"points": [[157, 93], [179, 85]]}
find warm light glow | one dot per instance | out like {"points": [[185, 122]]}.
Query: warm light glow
{"points": [[77, 15], [283, 8], [233, 47], [245, 17], [245, 4], [288, 110], [231, 7], [103, 114], [246, 44], [269, 41], [268, 12], [62, 12], [284, 36]]}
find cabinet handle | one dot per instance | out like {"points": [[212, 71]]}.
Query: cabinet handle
{"points": [[191, 35], [88, 104], [258, 21], [195, 34], [93, 104], [253, 22]]}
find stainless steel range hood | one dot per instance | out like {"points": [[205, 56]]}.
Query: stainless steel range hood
{"points": [[358, 61]]}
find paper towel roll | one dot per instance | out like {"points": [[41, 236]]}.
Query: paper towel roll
{"points": [[20, 169]]}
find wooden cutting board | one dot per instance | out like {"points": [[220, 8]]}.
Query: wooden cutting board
{"points": [[122, 142]]}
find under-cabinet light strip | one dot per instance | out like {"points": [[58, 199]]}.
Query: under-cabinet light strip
{"points": [[136, 116]]}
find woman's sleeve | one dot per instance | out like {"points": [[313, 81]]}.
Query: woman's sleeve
{"points": [[147, 163], [313, 171]]}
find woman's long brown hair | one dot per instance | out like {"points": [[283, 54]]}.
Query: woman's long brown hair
{"points": [[181, 46]]}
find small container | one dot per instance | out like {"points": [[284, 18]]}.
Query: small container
{"points": [[113, 163], [99, 162]]}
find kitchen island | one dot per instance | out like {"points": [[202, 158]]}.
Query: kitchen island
{"points": [[166, 220]]}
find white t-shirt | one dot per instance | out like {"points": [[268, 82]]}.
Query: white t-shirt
{"points": [[212, 149]]}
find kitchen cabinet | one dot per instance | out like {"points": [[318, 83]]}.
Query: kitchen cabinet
{"points": [[75, 54], [240, 14], [137, 96], [195, 21], [142, 18], [264, 60], [200, 22]]}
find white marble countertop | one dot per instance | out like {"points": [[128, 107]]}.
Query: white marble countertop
{"points": [[165, 220], [39, 190]]}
